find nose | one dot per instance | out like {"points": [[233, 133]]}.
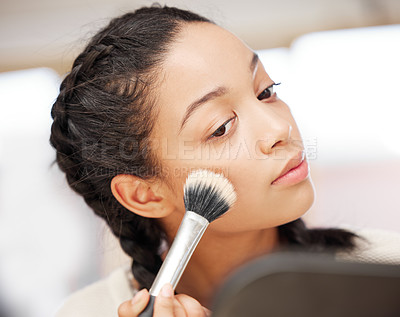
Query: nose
{"points": [[274, 132]]}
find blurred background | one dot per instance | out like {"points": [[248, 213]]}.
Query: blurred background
{"points": [[338, 62]]}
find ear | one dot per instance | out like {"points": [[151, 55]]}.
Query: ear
{"points": [[142, 197]]}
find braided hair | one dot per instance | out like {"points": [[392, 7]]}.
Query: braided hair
{"points": [[102, 120], [103, 117]]}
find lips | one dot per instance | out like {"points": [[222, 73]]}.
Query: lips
{"points": [[291, 164]]}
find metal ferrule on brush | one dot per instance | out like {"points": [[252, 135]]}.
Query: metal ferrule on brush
{"points": [[188, 236]]}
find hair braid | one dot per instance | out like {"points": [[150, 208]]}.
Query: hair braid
{"points": [[146, 258], [135, 237], [103, 117], [296, 234]]}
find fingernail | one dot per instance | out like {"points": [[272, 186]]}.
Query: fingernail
{"points": [[166, 291], [138, 297]]}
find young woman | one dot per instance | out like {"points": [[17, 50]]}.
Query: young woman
{"points": [[155, 94]]}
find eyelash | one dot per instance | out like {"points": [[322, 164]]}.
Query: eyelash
{"points": [[222, 126], [270, 90], [261, 96]]}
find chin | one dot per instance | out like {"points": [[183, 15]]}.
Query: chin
{"points": [[300, 201], [304, 199]]}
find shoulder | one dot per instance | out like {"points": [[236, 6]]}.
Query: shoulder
{"points": [[101, 298], [374, 245]]}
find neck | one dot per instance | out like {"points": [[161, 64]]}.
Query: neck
{"points": [[217, 255]]}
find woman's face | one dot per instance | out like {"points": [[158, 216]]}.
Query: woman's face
{"points": [[217, 111]]}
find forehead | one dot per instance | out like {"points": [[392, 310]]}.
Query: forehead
{"points": [[202, 47], [203, 56], [200, 43]]}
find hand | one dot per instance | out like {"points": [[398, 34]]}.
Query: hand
{"points": [[166, 305]]}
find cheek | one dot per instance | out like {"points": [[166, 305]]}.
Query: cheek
{"points": [[261, 207]]}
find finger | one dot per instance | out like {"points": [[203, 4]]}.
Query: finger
{"points": [[164, 304], [132, 308], [179, 310], [191, 306]]}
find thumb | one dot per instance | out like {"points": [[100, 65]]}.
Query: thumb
{"points": [[132, 308], [164, 304]]}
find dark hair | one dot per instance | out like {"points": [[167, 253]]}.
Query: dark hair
{"points": [[103, 117], [329, 240]]}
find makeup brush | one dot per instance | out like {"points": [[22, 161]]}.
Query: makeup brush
{"points": [[207, 196]]}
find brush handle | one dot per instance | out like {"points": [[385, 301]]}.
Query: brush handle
{"points": [[188, 236]]}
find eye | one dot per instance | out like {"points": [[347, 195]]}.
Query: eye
{"points": [[223, 129], [267, 92]]}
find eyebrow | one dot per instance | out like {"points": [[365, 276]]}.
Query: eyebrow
{"points": [[217, 92], [254, 62]]}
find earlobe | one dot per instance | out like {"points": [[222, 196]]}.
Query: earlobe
{"points": [[137, 195]]}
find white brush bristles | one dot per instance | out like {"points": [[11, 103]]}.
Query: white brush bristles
{"points": [[206, 178], [208, 194]]}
